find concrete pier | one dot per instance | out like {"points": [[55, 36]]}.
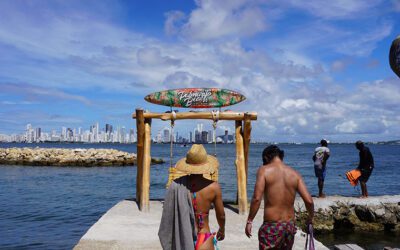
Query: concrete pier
{"points": [[125, 227]]}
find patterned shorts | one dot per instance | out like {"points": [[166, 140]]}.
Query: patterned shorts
{"points": [[276, 235]]}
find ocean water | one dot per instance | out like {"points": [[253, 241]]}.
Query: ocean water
{"points": [[52, 207]]}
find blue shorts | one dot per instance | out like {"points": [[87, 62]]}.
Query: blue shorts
{"points": [[320, 171]]}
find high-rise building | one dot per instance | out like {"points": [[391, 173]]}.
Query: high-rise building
{"points": [[166, 135], [200, 127], [204, 136], [190, 137], [38, 134], [131, 136], [109, 128], [197, 136], [226, 136], [70, 134], [122, 135], [63, 133], [29, 135], [210, 136]]}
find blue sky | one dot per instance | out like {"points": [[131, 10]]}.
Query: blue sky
{"points": [[311, 70]]}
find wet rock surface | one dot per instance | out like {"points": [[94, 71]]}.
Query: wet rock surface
{"points": [[68, 157], [344, 213]]}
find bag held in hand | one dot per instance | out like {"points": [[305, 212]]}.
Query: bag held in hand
{"points": [[353, 176]]}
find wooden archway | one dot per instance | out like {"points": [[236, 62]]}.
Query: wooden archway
{"points": [[143, 127]]}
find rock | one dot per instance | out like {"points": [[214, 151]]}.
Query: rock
{"points": [[157, 161], [364, 213], [68, 157], [380, 212]]}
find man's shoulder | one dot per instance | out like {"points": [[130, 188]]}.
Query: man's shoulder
{"points": [[291, 169]]}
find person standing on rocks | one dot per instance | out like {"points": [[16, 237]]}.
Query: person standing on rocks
{"points": [[366, 165], [321, 155], [278, 183]]}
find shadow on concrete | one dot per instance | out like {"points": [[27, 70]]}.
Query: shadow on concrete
{"points": [[227, 204], [137, 203]]}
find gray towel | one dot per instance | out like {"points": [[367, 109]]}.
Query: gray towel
{"points": [[177, 229]]}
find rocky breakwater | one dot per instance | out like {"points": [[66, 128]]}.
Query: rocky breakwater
{"points": [[68, 157], [378, 213]]}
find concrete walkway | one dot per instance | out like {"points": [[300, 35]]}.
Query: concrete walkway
{"points": [[125, 227]]}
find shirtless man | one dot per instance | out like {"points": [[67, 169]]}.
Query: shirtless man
{"points": [[279, 184]]}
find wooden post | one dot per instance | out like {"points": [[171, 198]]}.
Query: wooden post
{"points": [[240, 169], [139, 154], [145, 189], [246, 141]]}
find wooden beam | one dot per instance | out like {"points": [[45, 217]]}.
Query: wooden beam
{"points": [[139, 154], [225, 115], [145, 189], [240, 169], [246, 142]]}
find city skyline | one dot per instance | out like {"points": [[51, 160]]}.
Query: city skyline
{"points": [[107, 133], [310, 71]]}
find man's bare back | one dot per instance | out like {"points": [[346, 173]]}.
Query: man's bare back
{"points": [[277, 183], [281, 183]]}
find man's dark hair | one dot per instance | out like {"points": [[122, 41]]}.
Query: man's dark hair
{"points": [[324, 143], [270, 153], [359, 144]]}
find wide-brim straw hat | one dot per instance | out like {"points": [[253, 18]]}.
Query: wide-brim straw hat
{"points": [[197, 161]]}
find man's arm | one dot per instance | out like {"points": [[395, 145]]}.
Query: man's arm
{"points": [[308, 201], [219, 212], [326, 155], [259, 188]]}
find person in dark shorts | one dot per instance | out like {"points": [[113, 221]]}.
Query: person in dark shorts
{"points": [[321, 155], [366, 165]]}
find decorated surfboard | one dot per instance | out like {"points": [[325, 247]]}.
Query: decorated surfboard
{"points": [[196, 98], [394, 56]]}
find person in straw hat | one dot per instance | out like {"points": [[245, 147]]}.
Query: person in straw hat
{"points": [[190, 198]]}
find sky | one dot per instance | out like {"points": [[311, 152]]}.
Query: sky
{"points": [[311, 70]]}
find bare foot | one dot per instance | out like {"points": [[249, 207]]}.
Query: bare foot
{"points": [[321, 196], [363, 197]]}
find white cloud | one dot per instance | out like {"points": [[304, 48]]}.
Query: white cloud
{"points": [[321, 38], [362, 44], [340, 9], [152, 57], [215, 19], [347, 127], [300, 104]]}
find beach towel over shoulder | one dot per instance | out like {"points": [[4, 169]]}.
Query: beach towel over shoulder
{"points": [[177, 229]]}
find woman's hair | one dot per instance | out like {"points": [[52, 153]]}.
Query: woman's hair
{"points": [[270, 153]]}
